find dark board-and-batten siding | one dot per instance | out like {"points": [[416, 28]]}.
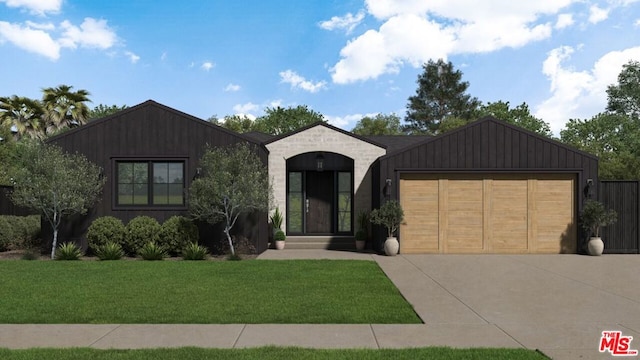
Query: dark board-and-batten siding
{"points": [[490, 146], [622, 237], [150, 131]]}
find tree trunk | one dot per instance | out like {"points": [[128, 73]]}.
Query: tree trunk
{"points": [[233, 251], [55, 243]]}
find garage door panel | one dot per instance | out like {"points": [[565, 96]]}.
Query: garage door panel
{"points": [[506, 214], [419, 199]]}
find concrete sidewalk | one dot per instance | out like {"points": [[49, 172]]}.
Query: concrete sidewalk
{"points": [[559, 304]]}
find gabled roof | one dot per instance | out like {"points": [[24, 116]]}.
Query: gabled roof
{"points": [[480, 123], [328, 126], [151, 103]]}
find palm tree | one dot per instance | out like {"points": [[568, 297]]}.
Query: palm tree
{"points": [[64, 108], [23, 116]]}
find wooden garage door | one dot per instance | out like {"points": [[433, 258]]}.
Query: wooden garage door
{"points": [[488, 214]]}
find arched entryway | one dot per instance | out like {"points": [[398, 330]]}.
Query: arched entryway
{"points": [[319, 194]]}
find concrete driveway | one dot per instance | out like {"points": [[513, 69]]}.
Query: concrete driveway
{"points": [[559, 304]]}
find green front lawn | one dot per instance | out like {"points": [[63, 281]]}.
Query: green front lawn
{"points": [[206, 292], [266, 353]]}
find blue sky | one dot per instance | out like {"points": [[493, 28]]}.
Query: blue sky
{"points": [[345, 59]]}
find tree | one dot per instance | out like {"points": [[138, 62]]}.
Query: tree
{"points": [[520, 116], [440, 94], [7, 155], [23, 115], [233, 181], [624, 98], [239, 123], [102, 110], [64, 108], [56, 183], [380, 124], [279, 120], [614, 138], [59, 109]]}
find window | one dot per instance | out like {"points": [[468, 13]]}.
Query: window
{"points": [[150, 183], [344, 201], [295, 208]]}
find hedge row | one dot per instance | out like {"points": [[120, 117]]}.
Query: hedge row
{"points": [[173, 235], [19, 232]]}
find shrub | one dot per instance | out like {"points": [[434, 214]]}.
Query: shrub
{"points": [[390, 214], [139, 231], [279, 236], [109, 251], [6, 234], [68, 251], [193, 251], [152, 251], [103, 230], [177, 233], [19, 232]]}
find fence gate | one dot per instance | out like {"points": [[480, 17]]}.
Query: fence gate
{"points": [[623, 197]]}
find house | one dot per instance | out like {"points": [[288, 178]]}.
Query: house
{"points": [[487, 187]]}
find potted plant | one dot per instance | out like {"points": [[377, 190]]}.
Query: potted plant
{"points": [[594, 217], [276, 220], [279, 239], [390, 215], [362, 234]]}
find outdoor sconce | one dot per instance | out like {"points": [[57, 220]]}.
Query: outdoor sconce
{"points": [[587, 189], [319, 162], [198, 172], [386, 190]]}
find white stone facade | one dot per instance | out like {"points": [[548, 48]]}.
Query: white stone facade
{"points": [[325, 139]]}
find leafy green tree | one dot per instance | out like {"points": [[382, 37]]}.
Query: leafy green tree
{"points": [[380, 124], [7, 155], [280, 120], [64, 108], [614, 138], [56, 183], [624, 97], [520, 116], [238, 123], [102, 110], [441, 94], [233, 181], [24, 115], [452, 123]]}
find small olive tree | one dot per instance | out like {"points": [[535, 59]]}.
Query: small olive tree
{"points": [[56, 183], [233, 181]]}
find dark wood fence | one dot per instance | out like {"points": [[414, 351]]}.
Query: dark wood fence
{"points": [[623, 197]]}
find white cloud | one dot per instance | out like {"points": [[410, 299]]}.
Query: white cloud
{"points": [[564, 20], [299, 82], [232, 88], [91, 33], [414, 31], [637, 23], [163, 57], [579, 94], [132, 57], [597, 14], [347, 22], [40, 26], [32, 40], [37, 7], [247, 108], [347, 122], [207, 65]]}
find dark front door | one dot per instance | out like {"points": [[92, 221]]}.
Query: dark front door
{"points": [[319, 202]]}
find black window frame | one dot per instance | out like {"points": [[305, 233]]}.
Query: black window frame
{"points": [[149, 184]]}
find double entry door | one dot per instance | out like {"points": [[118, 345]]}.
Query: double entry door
{"points": [[319, 202]]}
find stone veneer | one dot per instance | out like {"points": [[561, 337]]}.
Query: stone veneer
{"points": [[323, 138]]}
